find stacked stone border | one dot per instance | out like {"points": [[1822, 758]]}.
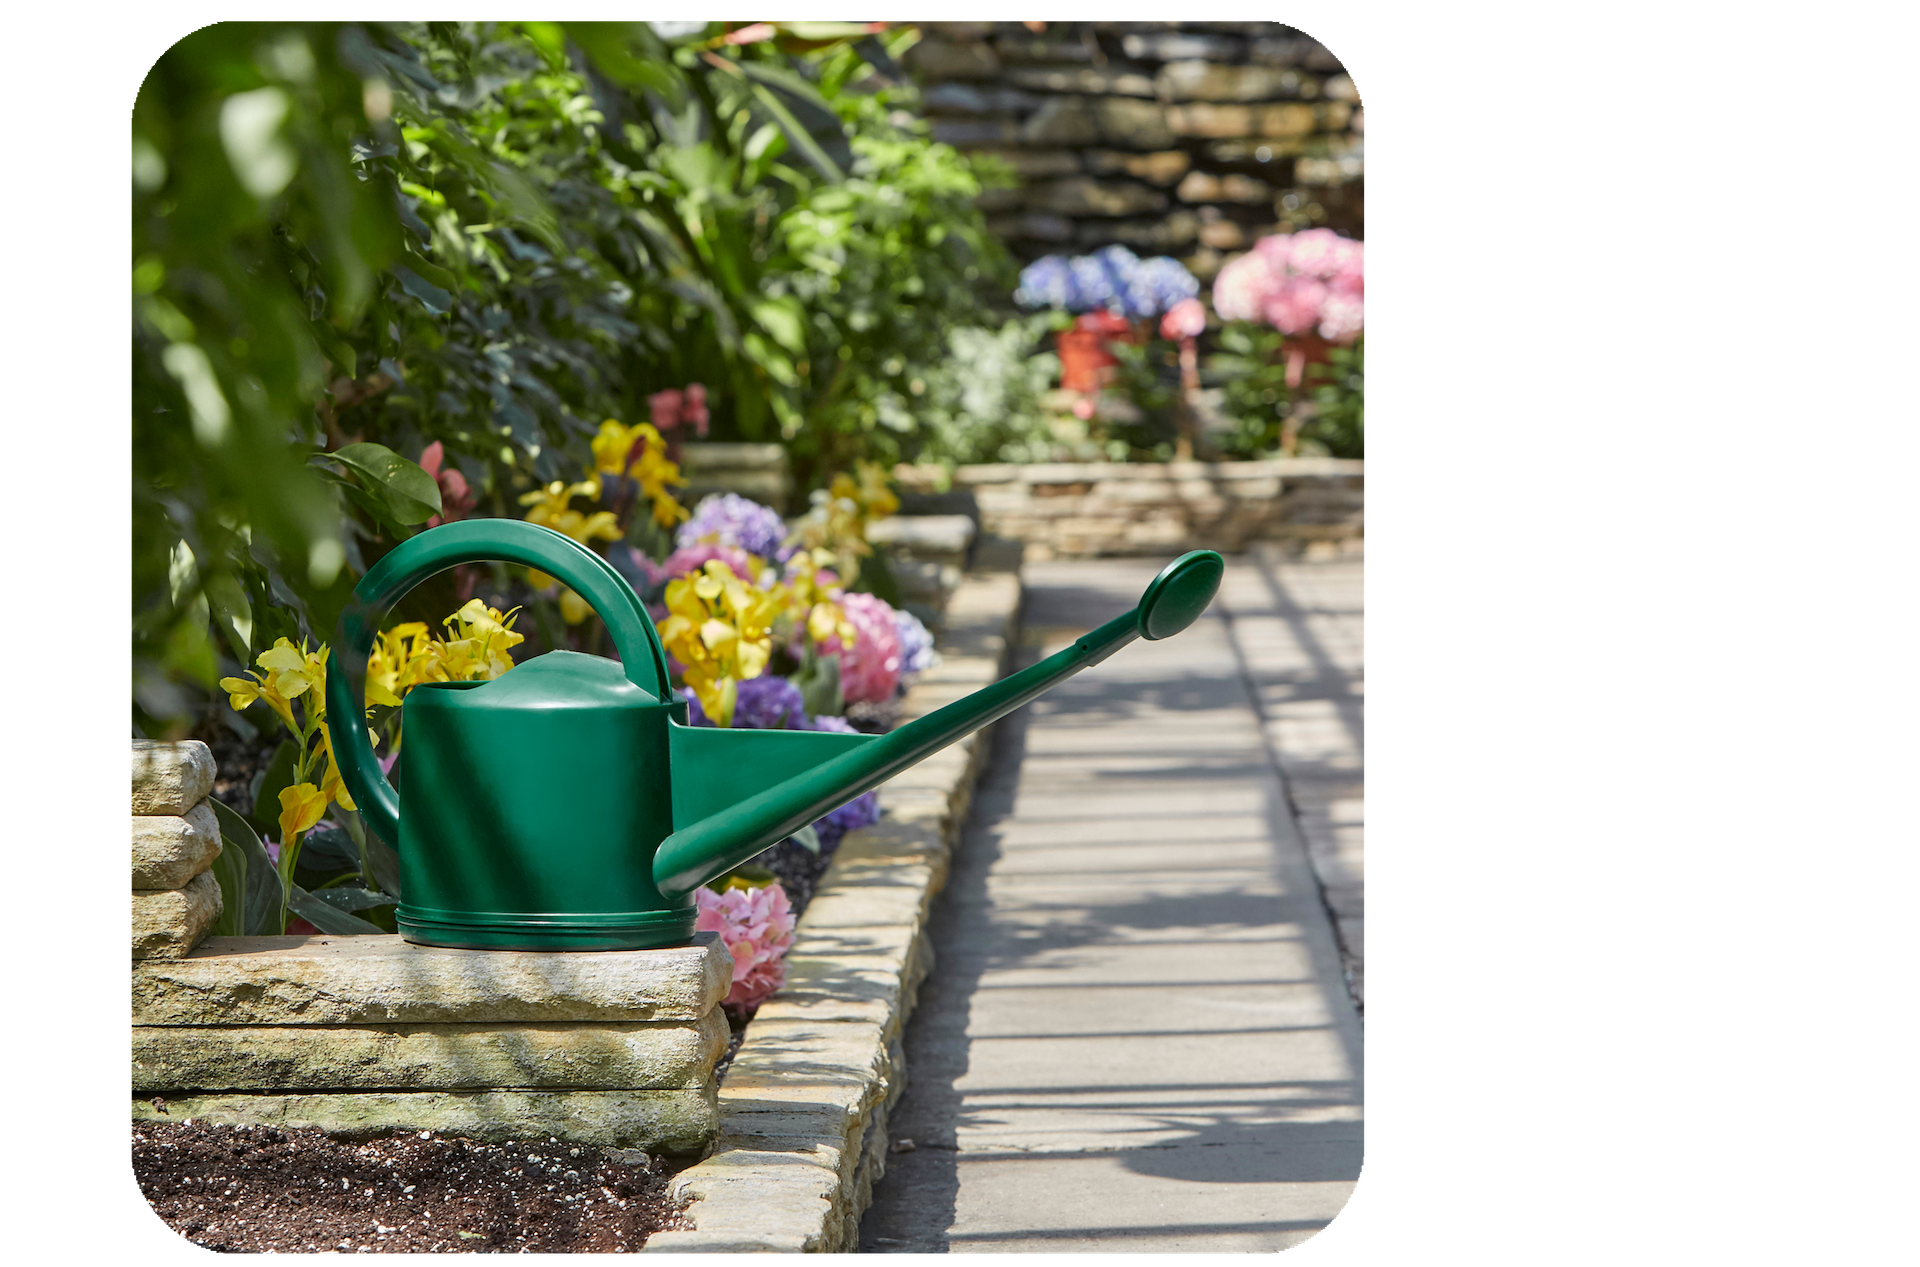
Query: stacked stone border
{"points": [[803, 1110], [1086, 509], [175, 841]]}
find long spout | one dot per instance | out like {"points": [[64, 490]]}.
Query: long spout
{"points": [[715, 845]]}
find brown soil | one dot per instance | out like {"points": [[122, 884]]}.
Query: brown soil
{"points": [[255, 1189]]}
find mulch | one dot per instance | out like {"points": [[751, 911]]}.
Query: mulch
{"points": [[240, 1189]]}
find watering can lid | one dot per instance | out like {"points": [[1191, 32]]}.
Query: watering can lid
{"points": [[1177, 596], [555, 679]]}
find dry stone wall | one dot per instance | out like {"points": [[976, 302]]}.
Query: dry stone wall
{"points": [[1184, 138]]}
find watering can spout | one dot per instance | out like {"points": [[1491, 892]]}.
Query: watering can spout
{"points": [[721, 841]]}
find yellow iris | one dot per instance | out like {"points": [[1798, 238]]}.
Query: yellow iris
{"points": [[614, 454], [552, 508]]}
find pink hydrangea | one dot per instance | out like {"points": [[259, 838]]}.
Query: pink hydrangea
{"points": [[870, 669], [1313, 281], [756, 926]]}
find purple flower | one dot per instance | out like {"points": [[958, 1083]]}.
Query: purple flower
{"points": [[862, 811], [730, 519], [916, 645], [838, 725], [760, 703], [1046, 283]]}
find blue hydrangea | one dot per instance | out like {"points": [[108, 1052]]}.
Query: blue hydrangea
{"points": [[736, 521], [1112, 277], [838, 725], [916, 645], [1046, 283]]}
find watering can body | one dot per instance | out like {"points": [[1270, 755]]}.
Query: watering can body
{"points": [[566, 805]]}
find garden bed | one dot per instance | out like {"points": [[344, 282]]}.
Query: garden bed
{"points": [[239, 1189]]}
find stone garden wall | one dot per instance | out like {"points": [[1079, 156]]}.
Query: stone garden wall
{"points": [[1183, 138]]}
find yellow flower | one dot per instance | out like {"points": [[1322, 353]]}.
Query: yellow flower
{"points": [[721, 629], [614, 454], [837, 524], [300, 808], [399, 657], [290, 672], [333, 787], [811, 602], [481, 649], [552, 509]]}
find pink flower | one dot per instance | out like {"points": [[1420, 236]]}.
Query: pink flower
{"points": [[456, 497], [1242, 288], [689, 559], [1294, 307], [870, 669], [1299, 283], [665, 409], [1185, 320], [756, 926], [675, 408]]}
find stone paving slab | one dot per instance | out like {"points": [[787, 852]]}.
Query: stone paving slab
{"points": [[1140, 1036]]}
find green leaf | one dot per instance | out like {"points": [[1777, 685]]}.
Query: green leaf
{"points": [[782, 319], [378, 861], [408, 493], [796, 134], [347, 898], [326, 917], [435, 300], [807, 838], [269, 783], [259, 888], [819, 683]]}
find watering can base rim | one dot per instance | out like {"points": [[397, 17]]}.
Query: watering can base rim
{"points": [[489, 930]]}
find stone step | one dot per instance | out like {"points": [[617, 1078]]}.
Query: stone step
{"points": [[322, 980], [657, 1055]]}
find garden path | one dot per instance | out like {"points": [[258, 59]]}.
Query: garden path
{"points": [[1138, 1034]]}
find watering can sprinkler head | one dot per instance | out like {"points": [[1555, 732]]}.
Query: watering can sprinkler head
{"points": [[568, 805]]}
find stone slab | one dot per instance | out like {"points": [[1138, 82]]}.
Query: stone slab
{"points": [[371, 980], [168, 923], [171, 849], [170, 778], [658, 1055], [678, 1123]]}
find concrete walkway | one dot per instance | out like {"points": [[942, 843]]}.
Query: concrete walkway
{"points": [[1139, 1034]]}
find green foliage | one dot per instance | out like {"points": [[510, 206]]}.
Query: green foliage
{"points": [[353, 240], [1324, 415], [1339, 399], [1253, 373]]}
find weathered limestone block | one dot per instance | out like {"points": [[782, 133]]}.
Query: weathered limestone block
{"points": [[763, 472], [975, 131], [965, 99], [1040, 49], [1062, 121], [1036, 227], [1258, 149], [944, 59], [1151, 236], [1035, 162], [375, 980], [1211, 81], [170, 849], [168, 923], [1087, 79], [1167, 46], [1233, 187], [1160, 168], [1208, 120], [1292, 50], [1083, 196], [170, 778], [678, 1122], [655, 1055]]}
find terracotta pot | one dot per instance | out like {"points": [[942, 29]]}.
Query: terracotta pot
{"points": [[1084, 357]]}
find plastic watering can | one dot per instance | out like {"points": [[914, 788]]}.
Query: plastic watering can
{"points": [[567, 805]]}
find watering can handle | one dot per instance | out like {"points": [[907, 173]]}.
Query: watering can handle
{"points": [[436, 550]]}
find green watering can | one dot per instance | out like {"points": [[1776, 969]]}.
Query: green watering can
{"points": [[567, 805]]}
